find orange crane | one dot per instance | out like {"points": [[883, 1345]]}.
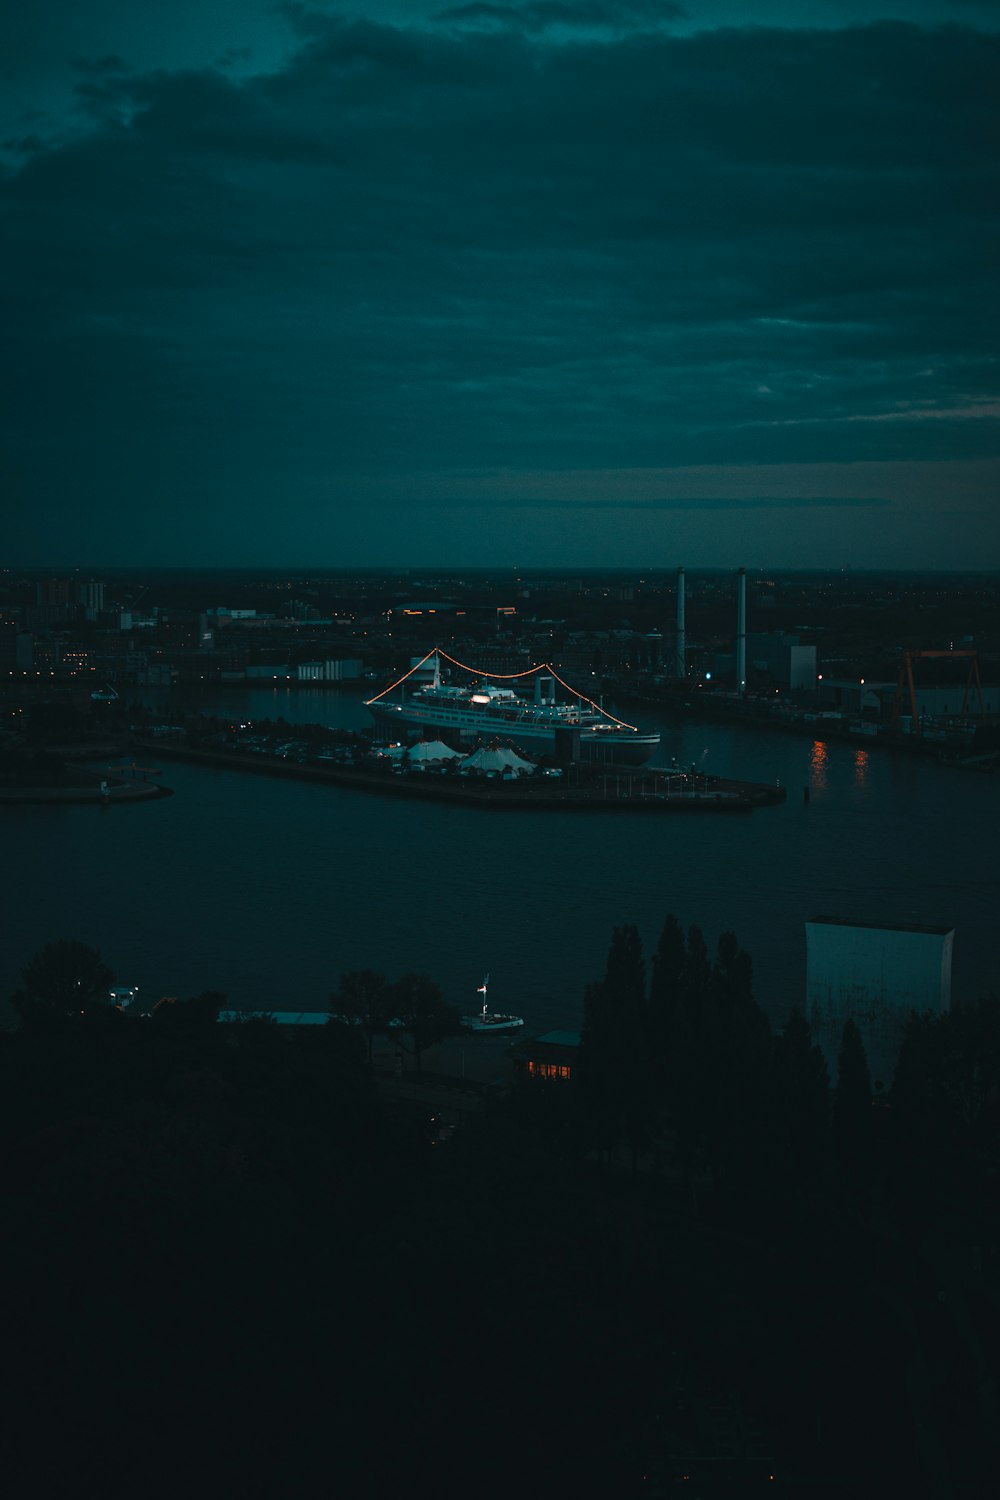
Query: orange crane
{"points": [[905, 684]]}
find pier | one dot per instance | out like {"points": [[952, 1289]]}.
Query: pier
{"points": [[583, 789]]}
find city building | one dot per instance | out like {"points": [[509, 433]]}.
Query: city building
{"points": [[345, 670], [782, 659], [875, 975]]}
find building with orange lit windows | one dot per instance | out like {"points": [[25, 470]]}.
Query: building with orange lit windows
{"points": [[549, 1058]]}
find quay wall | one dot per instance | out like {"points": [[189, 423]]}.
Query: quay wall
{"points": [[717, 796]]}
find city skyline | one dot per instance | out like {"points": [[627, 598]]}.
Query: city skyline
{"points": [[566, 284]]}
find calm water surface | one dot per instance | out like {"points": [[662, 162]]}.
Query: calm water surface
{"points": [[269, 890]]}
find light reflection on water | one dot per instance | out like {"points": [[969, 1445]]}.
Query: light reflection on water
{"points": [[817, 765]]}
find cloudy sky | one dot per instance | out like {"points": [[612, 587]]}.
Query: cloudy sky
{"points": [[512, 282]]}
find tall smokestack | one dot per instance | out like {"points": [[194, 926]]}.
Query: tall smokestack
{"points": [[741, 632], [680, 669]]}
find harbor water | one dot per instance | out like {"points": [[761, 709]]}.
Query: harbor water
{"points": [[270, 889]]}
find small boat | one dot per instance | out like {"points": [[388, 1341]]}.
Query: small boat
{"points": [[488, 1020]]}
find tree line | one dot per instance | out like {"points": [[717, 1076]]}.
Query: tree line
{"points": [[225, 1213], [68, 979], [679, 1066]]}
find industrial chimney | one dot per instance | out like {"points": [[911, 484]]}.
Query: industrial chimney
{"points": [[680, 668]]}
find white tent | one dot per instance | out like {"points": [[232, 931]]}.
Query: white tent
{"points": [[428, 750], [497, 758]]}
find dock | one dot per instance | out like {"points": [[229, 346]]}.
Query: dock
{"points": [[590, 789]]}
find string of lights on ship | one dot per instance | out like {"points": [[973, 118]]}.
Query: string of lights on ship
{"points": [[499, 677]]}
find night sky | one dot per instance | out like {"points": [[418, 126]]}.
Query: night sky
{"points": [[552, 283]]}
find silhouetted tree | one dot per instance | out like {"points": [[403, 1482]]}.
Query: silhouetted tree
{"points": [[921, 1147], [364, 995], [689, 1062], [664, 991], [426, 1017], [742, 1123], [625, 976], [803, 1085], [732, 975], [970, 1060], [697, 970], [614, 1053], [68, 977], [946, 1113], [852, 1114], [189, 1018]]}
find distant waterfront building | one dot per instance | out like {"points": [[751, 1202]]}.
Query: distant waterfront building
{"points": [[90, 595], [347, 669], [947, 702], [266, 670], [877, 699], [156, 674], [783, 659], [876, 976], [67, 595], [9, 639], [55, 593], [24, 651]]}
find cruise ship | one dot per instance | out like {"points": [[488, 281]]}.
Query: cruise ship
{"points": [[485, 708]]}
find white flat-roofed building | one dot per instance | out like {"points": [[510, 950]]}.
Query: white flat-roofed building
{"points": [[876, 975]]}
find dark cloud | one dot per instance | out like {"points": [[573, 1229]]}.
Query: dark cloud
{"points": [[411, 250], [586, 15], [683, 503]]}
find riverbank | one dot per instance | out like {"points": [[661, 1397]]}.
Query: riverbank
{"points": [[951, 748], [616, 790], [110, 795], [278, 888]]}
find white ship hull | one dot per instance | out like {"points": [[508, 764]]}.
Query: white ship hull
{"points": [[603, 744], [492, 1023]]}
